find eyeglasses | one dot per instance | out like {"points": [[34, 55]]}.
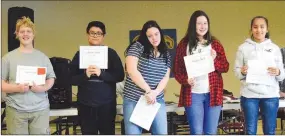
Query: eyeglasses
{"points": [[96, 34]]}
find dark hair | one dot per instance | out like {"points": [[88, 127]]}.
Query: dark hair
{"points": [[96, 24], [266, 21], [191, 34], [162, 47]]}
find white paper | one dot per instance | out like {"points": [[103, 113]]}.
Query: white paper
{"points": [[93, 55], [199, 64], [143, 114], [30, 74], [257, 73]]}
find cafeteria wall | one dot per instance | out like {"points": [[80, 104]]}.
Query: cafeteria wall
{"points": [[61, 25]]}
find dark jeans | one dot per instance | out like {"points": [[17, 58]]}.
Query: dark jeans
{"points": [[268, 109], [94, 119]]}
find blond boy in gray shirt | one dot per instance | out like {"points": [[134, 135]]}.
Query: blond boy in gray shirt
{"points": [[27, 108]]}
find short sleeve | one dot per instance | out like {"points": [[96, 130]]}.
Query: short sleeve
{"points": [[50, 71], [168, 63], [135, 50], [5, 69]]}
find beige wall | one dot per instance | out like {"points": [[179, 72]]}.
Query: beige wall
{"points": [[61, 25]]}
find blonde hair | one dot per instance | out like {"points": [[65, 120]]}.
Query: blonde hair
{"points": [[24, 21]]}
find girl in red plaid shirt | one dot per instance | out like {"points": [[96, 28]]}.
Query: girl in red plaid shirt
{"points": [[201, 96]]}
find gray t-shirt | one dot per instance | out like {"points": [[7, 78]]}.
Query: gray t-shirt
{"points": [[28, 101]]}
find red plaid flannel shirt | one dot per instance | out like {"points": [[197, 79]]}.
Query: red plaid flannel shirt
{"points": [[215, 78]]}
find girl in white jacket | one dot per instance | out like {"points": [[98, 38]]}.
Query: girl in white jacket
{"points": [[259, 67]]}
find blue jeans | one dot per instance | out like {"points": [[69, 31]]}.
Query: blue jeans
{"points": [[202, 118], [268, 109], [159, 124]]}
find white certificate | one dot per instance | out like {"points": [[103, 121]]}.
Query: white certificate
{"points": [[257, 73], [93, 55], [143, 114], [199, 64], [30, 74]]}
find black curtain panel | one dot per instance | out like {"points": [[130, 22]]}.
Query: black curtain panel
{"points": [[15, 13]]}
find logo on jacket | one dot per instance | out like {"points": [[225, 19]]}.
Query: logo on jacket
{"points": [[268, 50]]}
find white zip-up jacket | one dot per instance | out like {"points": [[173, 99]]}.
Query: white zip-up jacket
{"points": [[270, 53]]}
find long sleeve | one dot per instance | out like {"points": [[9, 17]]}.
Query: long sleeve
{"points": [[282, 83], [280, 65], [221, 63], [180, 73], [115, 72], [238, 64], [78, 75]]}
